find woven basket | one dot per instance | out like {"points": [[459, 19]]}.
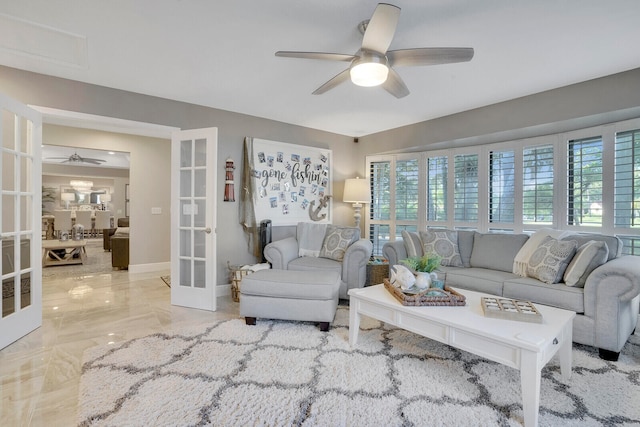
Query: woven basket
{"points": [[236, 274], [449, 297], [376, 273]]}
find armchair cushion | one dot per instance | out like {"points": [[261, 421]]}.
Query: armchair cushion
{"points": [[337, 240], [310, 238]]}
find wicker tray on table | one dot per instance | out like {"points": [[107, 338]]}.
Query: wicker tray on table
{"points": [[446, 297]]}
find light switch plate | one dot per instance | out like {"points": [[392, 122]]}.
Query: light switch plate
{"points": [[156, 211]]}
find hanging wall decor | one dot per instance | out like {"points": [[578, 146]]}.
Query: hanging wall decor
{"points": [[291, 183], [229, 194]]}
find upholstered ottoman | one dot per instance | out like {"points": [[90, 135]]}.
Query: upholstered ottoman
{"points": [[290, 295]]}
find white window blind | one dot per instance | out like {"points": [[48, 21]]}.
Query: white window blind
{"points": [[437, 188], [627, 179], [406, 191], [380, 212], [537, 189], [501, 186], [584, 181], [465, 195]]}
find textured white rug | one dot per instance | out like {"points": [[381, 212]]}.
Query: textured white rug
{"points": [[289, 373]]}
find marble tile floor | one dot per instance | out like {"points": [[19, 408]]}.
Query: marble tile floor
{"points": [[40, 373]]}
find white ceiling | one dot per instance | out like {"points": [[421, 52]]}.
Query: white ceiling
{"points": [[221, 53]]}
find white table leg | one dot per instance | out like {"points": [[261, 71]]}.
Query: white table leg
{"points": [[354, 321], [530, 367], [565, 351]]}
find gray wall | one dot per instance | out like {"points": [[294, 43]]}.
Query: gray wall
{"points": [[46, 91], [591, 103]]}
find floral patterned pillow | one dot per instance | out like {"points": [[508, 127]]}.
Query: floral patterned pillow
{"points": [[337, 240], [549, 261], [445, 244]]}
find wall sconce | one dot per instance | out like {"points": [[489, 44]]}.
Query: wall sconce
{"points": [[66, 198], [229, 195], [356, 191]]}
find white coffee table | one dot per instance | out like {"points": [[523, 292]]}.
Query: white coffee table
{"points": [[521, 345], [50, 257]]}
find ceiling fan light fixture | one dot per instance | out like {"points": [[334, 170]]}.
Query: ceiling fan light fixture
{"points": [[369, 70]]}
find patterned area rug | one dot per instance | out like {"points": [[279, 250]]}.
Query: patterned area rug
{"points": [[289, 373]]}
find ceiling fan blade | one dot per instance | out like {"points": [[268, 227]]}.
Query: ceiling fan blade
{"points": [[429, 56], [316, 55], [89, 159], [394, 85], [335, 81], [381, 28], [92, 161]]}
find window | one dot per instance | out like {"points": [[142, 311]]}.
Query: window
{"points": [[465, 195], [380, 212], [501, 186], [437, 188], [406, 190], [584, 181], [537, 187], [627, 180]]}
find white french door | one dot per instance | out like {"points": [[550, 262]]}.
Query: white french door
{"points": [[193, 218], [20, 219]]}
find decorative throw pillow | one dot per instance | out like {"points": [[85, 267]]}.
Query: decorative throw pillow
{"points": [[412, 243], [588, 257], [549, 261], [337, 240], [444, 243]]}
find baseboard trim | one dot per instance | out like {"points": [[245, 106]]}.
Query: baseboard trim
{"points": [[149, 268]]}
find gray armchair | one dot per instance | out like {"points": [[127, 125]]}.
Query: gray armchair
{"points": [[284, 255]]}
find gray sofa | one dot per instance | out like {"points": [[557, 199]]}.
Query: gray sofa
{"points": [[607, 306], [283, 254]]}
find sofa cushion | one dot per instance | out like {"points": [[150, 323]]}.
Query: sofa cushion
{"points": [[496, 251], [337, 240], [588, 257], [444, 243], [465, 246], [558, 295], [476, 279], [319, 265], [284, 284], [550, 260], [614, 244], [412, 243]]}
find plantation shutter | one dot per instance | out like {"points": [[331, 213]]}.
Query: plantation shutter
{"points": [[501, 186], [465, 195], [437, 188], [584, 181], [537, 191], [380, 212]]}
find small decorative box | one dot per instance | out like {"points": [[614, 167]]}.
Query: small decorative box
{"points": [[510, 309]]}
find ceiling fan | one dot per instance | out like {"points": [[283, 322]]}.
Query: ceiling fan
{"points": [[76, 158], [372, 64]]}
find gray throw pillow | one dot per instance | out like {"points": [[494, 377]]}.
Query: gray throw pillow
{"points": [[337, 240], [588, 257], [496, 251], [549, 261], [444, 243], [412, 243]]}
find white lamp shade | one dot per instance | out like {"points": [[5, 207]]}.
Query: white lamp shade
{"points": [[369, 74], [356, 191], [67, 197]]}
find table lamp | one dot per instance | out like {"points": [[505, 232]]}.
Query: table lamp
{"points": [[356, 191], [66, 198]]}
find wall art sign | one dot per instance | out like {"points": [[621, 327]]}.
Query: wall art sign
{"points": [[291, 183]]}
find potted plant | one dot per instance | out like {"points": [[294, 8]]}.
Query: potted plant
{"points": [[423, 267]]}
